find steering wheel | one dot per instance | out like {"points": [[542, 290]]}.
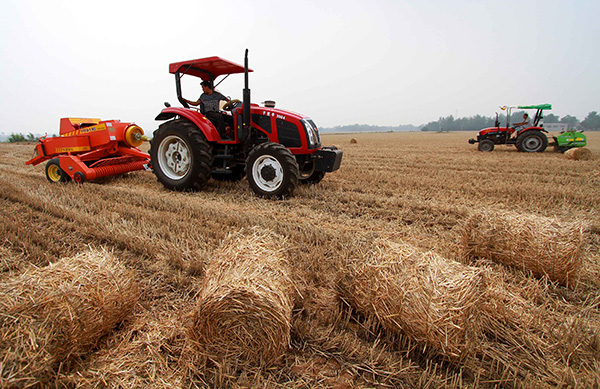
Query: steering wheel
{"points": [[231, 104]]}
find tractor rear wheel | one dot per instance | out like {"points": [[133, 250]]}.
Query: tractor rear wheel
{"points": [[181, 157], [54, 173], [272, 170], [486, 145], [532, 141]]}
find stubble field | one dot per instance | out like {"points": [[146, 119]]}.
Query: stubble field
{"points": [[378, 283]]}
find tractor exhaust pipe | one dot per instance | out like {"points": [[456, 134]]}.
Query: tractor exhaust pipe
{"points": [[246, 96]]}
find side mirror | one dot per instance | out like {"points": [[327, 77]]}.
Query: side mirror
{"points": [[167, 104]]}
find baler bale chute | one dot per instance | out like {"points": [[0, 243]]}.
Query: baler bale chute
{"points": [[91, 148]]}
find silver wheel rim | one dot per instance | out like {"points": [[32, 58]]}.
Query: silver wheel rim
{"points": [[263, 164], [174, 157], [532, 143]]}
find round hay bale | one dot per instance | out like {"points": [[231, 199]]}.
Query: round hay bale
{"points": [[353, 141], [243, 316], [579, 154], [51, 316], [544, 246], [428, 298]]}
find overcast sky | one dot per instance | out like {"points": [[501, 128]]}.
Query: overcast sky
{"points": [[375, 62]]}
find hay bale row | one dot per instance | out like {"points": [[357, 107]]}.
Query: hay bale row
{"points": [[243, 316], [51, 316], [544, 246], [428, 298], [579, 154]]}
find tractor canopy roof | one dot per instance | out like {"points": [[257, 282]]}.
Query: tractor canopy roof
{"points": [[206, 68], [540, 106]]}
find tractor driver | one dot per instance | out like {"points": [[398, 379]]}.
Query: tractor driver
{"points": [[521, 125], [209, 106], [524, 124]]}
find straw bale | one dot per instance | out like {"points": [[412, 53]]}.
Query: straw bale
{"points": [[428, 298], [51, 316], [579, 154], [544, 246], [243, 316], [353, 141]]}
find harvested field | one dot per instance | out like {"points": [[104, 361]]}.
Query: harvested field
{"points": [[414, 190]]}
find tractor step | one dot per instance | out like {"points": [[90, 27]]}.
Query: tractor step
{"points": [[222, 171], [223, 156]]}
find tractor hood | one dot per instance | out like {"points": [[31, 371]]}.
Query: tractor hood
{"points": [[493, 129], [275, 112]]}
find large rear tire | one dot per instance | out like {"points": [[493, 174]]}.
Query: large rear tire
{"points": [[532, 141], [181, 157], [272, 171]]}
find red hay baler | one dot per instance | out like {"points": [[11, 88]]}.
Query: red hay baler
{"points": [[91, 148]]}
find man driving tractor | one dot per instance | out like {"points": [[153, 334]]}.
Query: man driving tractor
{"points": [[209, 105]]}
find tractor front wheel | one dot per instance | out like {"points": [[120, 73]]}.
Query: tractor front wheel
{"points": [[54, 173], [486, 145], [181, 157], [532, 142], [272, 171]]}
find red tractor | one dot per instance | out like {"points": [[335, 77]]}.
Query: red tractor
{"points": [[273, 148], [529, 139]]}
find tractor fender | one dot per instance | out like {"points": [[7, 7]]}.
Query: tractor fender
{"points": [[533, 128], [201, 121]]}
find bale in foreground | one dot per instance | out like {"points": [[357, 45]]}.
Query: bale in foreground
{"points": [[544, 246], [243, 316], [51, 316], [579, 154], [428, 298]]}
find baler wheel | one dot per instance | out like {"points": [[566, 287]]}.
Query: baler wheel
{"points": [[54, 173], [79, 177], [272, 170]]}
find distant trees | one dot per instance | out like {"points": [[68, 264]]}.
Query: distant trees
{"points": [[369, 128], [449, 123], [571, 120], [592, 121], [21, 138]]}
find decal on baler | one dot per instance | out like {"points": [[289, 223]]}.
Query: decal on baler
{"points": [[71, 149], [99, 127]]}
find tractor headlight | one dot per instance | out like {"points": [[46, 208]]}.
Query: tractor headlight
{"points": [[312, 134]]}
